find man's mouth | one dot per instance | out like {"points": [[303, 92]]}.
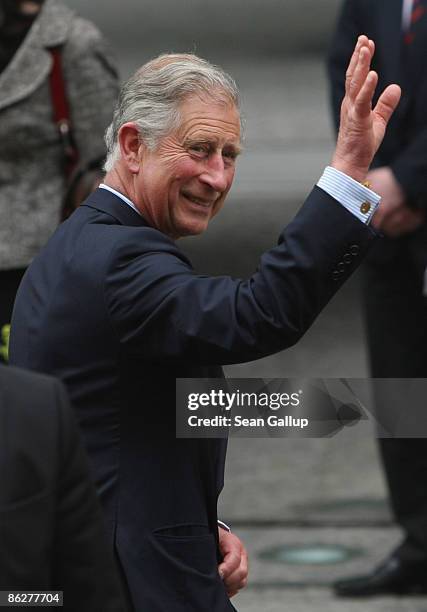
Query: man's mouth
{"points": [[197, 200]]}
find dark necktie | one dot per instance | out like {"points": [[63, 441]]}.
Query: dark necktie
{"points": [[418, 14]]}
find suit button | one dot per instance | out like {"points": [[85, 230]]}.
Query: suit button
{"points": [[347, 259], [341, 267], [354, 249], [336, 275], [365, 207]]}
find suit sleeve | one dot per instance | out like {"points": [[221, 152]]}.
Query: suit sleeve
{"points": [[161, 310], [83, 564]]}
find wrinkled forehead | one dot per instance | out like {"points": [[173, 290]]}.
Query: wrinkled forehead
{"points": [[214, 112], [213, 97]]}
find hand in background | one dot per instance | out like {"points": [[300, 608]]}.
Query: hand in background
{"points": [[234, 568], [361, 128], [393, 217]]}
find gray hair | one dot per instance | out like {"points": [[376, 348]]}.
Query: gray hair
{"points": [[152, 96]]}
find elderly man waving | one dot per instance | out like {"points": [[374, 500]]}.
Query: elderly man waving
{"points": [[114, 308]]}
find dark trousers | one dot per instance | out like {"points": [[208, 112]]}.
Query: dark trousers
{"points": [[9, 283], [396, 319]]}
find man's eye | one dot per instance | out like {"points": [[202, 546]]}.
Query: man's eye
{"points": [[230, 155], [199, 150]]}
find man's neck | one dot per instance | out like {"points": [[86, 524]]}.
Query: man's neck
{"points": [[117, 181]]}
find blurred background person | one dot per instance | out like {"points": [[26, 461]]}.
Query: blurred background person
{"points": [[58, 86], [51, 529], [396, 314]]}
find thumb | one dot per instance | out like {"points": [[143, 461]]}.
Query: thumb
{"points": [[387, 103]]}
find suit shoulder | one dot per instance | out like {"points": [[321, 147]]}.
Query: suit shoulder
{"points": [[135, 242]]}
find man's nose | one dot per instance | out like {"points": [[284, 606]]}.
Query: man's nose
{"points": [[215, 174]]}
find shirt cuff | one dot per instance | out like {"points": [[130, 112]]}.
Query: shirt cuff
{"points": [[355, 197], [223, 526]]}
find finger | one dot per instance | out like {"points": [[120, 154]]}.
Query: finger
{"points": [[237, 581], [362, 40], [244, 564], [229, 565], [363, 103], [360, 73], [239, 578], [387, 103]]}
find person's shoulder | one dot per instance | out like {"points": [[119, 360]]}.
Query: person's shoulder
{"points": [[85, 40], [142, 241], [85, 34], [83, 29], [95, 242]]}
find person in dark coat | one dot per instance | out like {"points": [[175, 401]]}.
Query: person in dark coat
{"points": [[52, 531], [396, 313]]}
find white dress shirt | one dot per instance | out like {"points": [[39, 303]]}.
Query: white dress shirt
{"points": [[406, 14]]}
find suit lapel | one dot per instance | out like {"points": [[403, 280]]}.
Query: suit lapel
{"points": [[32, 62], [106, 202]]}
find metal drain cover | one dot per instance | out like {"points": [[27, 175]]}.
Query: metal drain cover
{"points": [[310, 554]]}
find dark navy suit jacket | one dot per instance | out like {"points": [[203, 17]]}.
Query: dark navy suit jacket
{"points": [[114, 308]]}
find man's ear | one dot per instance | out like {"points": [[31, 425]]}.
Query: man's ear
{"points": [[130, 146]]}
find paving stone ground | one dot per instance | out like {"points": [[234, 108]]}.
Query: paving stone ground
{"points": [[278, 587], [314, 599]]}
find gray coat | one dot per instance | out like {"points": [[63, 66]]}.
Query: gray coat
{"points": [[32, 178]]}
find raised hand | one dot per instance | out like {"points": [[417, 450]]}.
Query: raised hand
{"points": [[362, 128]]}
